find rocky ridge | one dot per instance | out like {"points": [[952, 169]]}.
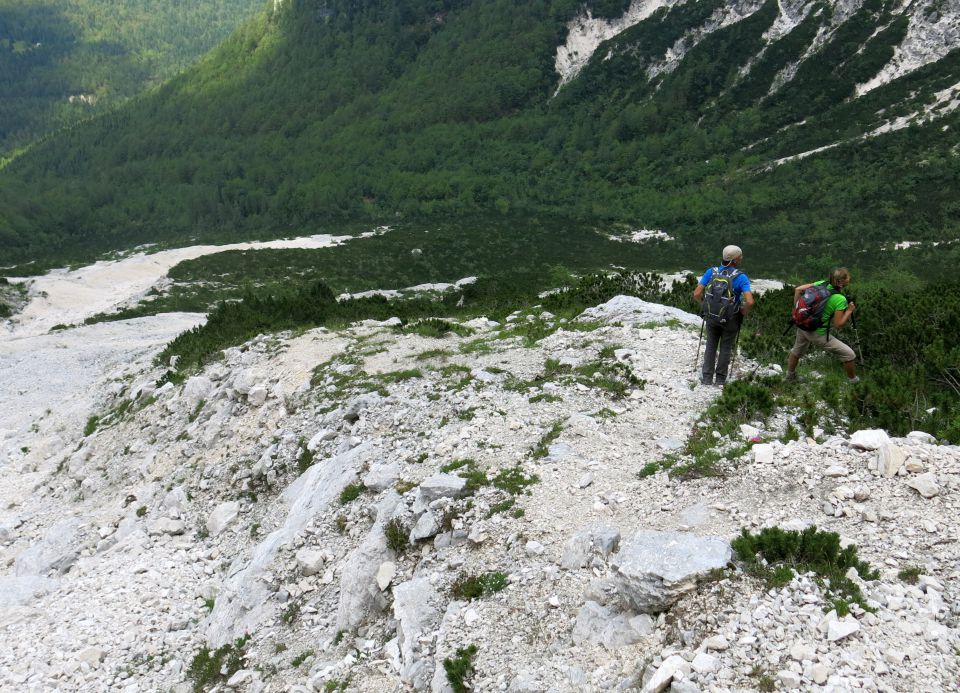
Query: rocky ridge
{"points": [[274, 495]]}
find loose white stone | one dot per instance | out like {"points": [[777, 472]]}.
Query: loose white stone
{"points": [[838, 630], [925, 484], [869, 439], [385, 574], [222, 516]]}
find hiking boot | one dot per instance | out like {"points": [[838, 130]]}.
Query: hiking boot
{"points": [[792, 377], [706, 381], [854, 380]]}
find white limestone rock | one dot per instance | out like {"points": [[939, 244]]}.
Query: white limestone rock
{"points": [[653, 569], [257, 395], [869, 439], [195, 390], [921, 437], [840, 629], [673, 666], [605, 626], [382, 476], [763, 453], [57, 551], [925, 484], [166, 525], [415, 610], [890, 458], [630, 310], [597, 539], [222, 516], [310, 561]]}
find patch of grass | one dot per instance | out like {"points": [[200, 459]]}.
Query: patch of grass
{"points": [[196, 411], [399, 376], [605, 413], [91, 426], [338, 638], [454, 465], [209, 603], [649, 469], [467, 414], [403, 486], [212, 666], [470, 587], [301, 658], [433, 354], [141, 511], [351, 492], [545, 397], [460, 669], [334, 685], [398, 536], [514, 481], [291, 612], [811, 550], [476, 346], [911, 575], [542, 448], [306, 457], [765, 682], [501, 507]]}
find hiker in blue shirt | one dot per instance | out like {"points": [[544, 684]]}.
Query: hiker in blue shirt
{"points": [[725, 298]]}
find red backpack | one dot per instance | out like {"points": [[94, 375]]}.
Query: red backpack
{"points": [[808, 311]]}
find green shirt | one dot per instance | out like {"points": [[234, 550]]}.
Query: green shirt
{"points": [[836, 302]]}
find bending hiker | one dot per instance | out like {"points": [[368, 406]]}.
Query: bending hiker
{"points": [[818, 308], [725, 297]]}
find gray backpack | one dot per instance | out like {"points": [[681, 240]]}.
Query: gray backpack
{"points": [[719, 299]]}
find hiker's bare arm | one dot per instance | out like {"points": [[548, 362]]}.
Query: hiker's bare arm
{"points": [[747, 303], [698, 293], [841, 317], [799, 290]]}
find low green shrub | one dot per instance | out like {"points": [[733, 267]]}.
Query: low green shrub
{"points": [[470, 587], [351, 492], [212, 666], [398, 536], [460, 669], [810, 550]]}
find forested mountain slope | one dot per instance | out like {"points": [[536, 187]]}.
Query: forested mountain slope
{"points": [[783, 122], [68, 60]]}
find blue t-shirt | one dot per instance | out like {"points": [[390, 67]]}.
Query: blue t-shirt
{"points": [[740, 283]]}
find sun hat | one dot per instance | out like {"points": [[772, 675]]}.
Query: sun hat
{"points": [[731, 252]]}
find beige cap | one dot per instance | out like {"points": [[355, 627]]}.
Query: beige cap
{"points": [[731, 252]]}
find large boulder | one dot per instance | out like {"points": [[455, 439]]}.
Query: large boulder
{"points": [[630, 310], [56, 552], [654, 569], [869, 439]]}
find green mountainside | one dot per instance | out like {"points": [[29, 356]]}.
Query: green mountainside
{"points": [[64, 61], [320, 114]]}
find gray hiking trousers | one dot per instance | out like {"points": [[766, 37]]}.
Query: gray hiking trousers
{"points": [[723, 335]]}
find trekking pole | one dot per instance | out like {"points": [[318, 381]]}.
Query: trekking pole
{"points": [[736, 348], [699, 342], [856, 336]]}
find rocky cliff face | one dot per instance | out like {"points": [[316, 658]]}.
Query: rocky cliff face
{"points": [[351, 509]]}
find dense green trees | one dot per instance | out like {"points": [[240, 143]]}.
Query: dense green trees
{"points": [[426, 110], [67, 61]]}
